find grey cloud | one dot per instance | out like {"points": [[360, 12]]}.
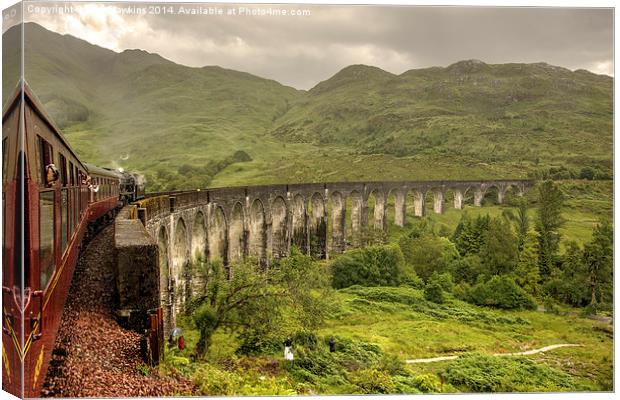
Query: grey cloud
{"points": [[301, 51]]}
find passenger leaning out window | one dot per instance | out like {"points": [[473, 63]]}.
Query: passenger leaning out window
{"points": [[51, 174]]}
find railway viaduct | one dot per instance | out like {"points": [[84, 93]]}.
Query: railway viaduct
{"points": [[180, 229]]}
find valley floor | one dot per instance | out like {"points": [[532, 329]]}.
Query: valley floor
{"points": [[378, 329]]}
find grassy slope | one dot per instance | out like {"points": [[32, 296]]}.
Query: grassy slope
{"points": [[415, 332], [142, 112], [420, 330], [510, 114]]}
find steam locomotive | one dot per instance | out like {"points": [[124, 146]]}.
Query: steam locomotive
{"points": [[50, 201]]}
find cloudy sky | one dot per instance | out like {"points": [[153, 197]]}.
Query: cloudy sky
{"points": [[305, 49]]}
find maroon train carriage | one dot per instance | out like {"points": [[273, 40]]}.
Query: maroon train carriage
{"points": [[50, 200], [104, 194]]}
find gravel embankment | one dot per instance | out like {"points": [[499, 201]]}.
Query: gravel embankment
{"points": [[93, 355]]}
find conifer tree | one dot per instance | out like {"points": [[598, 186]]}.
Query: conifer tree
{"points": [[549, 221], [598, 259], [527, 272]]}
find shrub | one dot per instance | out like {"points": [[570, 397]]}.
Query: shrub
{"points": [[372, 381], [433, 292], [212, 381], [428, 383], [484, 373], [370, 266], [501, 292], [466, 268], [428, 253], [405, 385], [253, 342], [445, 281], [241, 156], [410, 278], [462, 291]]}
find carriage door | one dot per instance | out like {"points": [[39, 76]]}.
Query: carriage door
{"points": [[46, 228], [13, 185]]}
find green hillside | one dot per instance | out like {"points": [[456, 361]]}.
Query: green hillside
{"points": [[178, 125], [508, 113], [194, 127]]}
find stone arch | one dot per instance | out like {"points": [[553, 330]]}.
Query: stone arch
{"points": [[338, 222], [460, 196], [438, 196], [164, 278], [279, 223], [180, 265], [479, 192], [199, 238], [180, 248], [217, 230], [237, 235], [299, 224], [257, 234], [354, 225], [507, 193], [491, 195], [429, 201], [448, 197], [317, 226]]}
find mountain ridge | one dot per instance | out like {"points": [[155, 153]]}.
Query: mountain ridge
{"points": [[510, 117]]}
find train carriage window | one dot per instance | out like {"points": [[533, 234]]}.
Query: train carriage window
{"points": [[46, 157], [5, 159], [64, 221], [46, 238], [5, 143], [71, 174], [76, 210], [63, 170], [70, 212]]}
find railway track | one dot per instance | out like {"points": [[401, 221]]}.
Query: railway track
{"points": [[93, 355]]}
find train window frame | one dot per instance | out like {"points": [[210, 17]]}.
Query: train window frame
{"points": [[70, 217], [46, 157], [64, 220], [52, 257], [76, 209], [5, 158], [63, 170], [71, 174]]}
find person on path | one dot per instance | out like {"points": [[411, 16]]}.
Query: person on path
{"points": [[332, 345], [288, 346]]}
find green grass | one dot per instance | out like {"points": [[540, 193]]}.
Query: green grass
{"points": [[405, 326]]}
